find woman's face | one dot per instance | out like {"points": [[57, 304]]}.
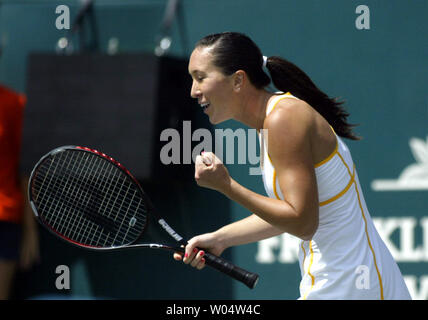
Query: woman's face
{"points": [[210, 86]]}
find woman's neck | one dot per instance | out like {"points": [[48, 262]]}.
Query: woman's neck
{"points": [[253, 108]]}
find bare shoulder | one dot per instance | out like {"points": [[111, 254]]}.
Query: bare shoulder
{"points": [[290, 117], [295, 126], [289, 129]]}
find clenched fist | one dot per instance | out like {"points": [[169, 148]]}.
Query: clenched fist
{"points": [[211, 173]]}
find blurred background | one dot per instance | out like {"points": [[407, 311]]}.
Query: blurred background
{"points": [[118, 76]]}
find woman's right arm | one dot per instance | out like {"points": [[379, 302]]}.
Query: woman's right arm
{"points": [[247, 230]]}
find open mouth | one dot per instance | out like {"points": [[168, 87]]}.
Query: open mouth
{"points": [[204, 106]]}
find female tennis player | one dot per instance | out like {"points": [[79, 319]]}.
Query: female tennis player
{"points": [[308, 173]]}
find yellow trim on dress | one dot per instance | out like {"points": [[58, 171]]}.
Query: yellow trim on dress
{"points": [[309, 270], [319, 164], [341, 193], [365, 228], [274, 185], [283, 96]]}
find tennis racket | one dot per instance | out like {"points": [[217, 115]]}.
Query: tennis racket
{"points": [[90, 200]]}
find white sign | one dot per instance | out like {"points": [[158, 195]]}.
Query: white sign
{"points": [[414, 176]]}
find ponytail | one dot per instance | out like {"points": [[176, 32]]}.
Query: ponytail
{"points": [[287, 77]]}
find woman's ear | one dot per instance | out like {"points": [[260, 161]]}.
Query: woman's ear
{"points": [[239, 80]]}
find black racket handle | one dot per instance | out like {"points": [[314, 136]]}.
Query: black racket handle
{"points": [[246, 277]]}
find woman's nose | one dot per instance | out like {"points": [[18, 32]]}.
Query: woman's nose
{"points": [[195, 92]]}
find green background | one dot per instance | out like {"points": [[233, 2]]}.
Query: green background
{"points": [[381, 73]]}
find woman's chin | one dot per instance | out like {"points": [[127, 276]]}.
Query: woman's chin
{"points": [[214, 121]]}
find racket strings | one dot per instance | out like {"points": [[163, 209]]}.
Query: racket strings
{"points": [[78, 222], [89, 212], [54, 190], [66, 171], [92, 182], [88, 199], [62, 224]]}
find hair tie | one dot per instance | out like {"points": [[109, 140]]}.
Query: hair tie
{"points": [[271, 86], [265, 61]]}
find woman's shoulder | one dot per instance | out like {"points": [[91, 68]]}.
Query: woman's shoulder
{"points": [[289, 114], [289, 126]]}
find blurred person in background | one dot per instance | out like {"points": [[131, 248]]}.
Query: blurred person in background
{"points": [[19, 240]]}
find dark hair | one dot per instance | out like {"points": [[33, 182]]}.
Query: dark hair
{"points": [[233, 51]]}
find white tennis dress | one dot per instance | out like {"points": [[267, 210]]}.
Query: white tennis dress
{"points": [[346, 258]]}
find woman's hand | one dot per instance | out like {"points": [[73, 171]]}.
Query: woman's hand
{"points": [[211, 173], [194, 255]]}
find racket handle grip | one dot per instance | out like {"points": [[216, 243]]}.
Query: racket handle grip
{"points": [[246, 277]]}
